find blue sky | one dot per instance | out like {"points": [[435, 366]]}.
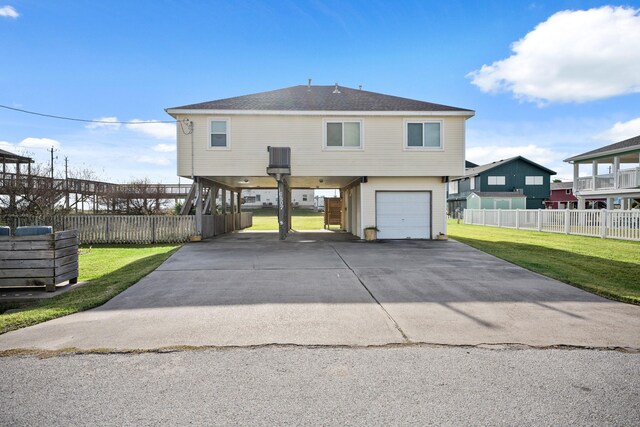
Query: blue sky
{"points": [[570, 85]]}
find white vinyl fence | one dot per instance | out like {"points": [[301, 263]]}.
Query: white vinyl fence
{"points": [[603, 223]]}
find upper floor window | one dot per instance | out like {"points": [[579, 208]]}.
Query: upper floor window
{"points": [[453, 187], [472, 183], [219, 133], [496, 180], [533, 180], [304, 197], [343, 133], [423, 134]]}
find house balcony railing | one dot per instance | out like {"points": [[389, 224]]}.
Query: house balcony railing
{"points": [[627, 178]]}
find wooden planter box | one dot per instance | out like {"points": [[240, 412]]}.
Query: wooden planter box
{"points": [[44, 260]]}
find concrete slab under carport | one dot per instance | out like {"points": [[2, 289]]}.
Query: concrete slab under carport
{"points": [[450, 293]]}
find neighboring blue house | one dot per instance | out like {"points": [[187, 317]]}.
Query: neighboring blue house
{"points": [[514, 175]]}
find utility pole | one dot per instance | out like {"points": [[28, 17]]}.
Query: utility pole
{"points": [[53, 196], [66, 182]]}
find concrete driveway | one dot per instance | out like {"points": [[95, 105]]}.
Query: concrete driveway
{"points": [[328, 289]]}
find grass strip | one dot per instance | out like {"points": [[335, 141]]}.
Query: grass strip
{"points": [[109, 269], [301, 219], [607, 267]]}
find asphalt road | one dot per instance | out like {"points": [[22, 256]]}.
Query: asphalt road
{"points": [[294, 385]]}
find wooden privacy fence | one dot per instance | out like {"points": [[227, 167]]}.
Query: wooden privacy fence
{"points": [[139, 229], [116, 228], [611, 224]]}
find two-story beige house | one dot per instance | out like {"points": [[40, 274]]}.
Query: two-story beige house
{"points": [[390, 157]]}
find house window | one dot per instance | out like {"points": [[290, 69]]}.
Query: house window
{"points": [[453, 187], [423, 134], [533, 180], [304, 197], [345, 134], [472, 183], [496, 180], [257, 197], [250, 199], [219, 133], [567, 191]]}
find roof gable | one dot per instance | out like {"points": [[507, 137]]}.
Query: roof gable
{"points": [[484, 168], [321, 98]]}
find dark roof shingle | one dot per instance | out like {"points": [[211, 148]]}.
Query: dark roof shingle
{"points": [[627, 143], [320, 98]]}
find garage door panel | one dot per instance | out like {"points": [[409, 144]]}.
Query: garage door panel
{"points": [[402, 215]]}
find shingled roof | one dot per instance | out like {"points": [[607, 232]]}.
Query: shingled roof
{"points": [[320, 98], [609, 149], [479, 169], [8, 157]]}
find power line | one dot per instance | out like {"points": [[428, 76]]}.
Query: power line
{"points": [[82, 120]]}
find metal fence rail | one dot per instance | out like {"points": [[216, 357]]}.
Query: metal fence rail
{"points": [[612, 224]]}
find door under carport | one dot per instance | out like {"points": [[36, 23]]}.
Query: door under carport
{"points": [[403, 214]]}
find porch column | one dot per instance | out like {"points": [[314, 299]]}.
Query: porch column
{"points": [[199, 205], [616, 172], [610, 203], [594, 173], [581, 203], [576, 175], [224, 201], [233, 210]]}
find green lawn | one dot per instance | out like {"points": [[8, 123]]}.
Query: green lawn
{"points": [[109, 269], [301, 219], [607, 267]]}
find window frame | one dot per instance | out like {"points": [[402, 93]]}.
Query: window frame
{"points": [[455, 183], [406, 123], [472, 183], [534, 179], [342, 120], [210, 120], [504, 179]]}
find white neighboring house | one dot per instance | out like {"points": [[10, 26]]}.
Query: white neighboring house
{"points": [[390, 157], [615, 175], [258, 198]]}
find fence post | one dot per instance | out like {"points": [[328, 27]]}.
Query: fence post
{"points": [[517, 219], [603, 223], [539, 219], [106, 228], [484, 219], [499, 219], [567, 222], [153, 229]]}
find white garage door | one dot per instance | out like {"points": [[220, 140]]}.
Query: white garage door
{"points": [[403, 214]]}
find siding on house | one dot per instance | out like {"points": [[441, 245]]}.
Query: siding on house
{"points": [[383, 152], [515, 172]]}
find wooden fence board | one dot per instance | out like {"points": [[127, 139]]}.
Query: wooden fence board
{"points": [[25, 282], [12, 245], [39, 254], [26, 272]]}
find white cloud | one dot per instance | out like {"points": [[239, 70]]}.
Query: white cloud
{"points": [[574, 56], [106, 123], [621, 131], [39, 143], [9, 12], [160, 161], [154, 128], [165, 148], [7, 146]]}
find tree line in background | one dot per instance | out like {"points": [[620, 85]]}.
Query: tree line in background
{"points": [[80, 191]]}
